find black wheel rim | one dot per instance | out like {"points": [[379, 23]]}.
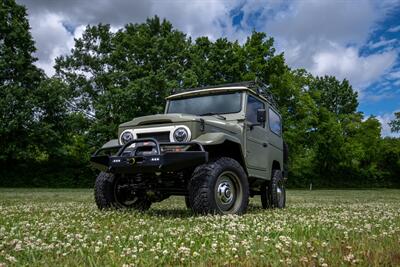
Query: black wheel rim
{"points": [[123, 195]]}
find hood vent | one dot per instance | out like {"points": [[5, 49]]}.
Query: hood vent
{"points": [[161, 121]]}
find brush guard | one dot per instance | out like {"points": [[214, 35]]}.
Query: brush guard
{"points": [[147, 155]]}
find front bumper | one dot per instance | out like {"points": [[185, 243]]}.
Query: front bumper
{"points": [[158, 160]]}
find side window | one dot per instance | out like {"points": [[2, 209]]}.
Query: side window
{"points": [[274, 122], [252, 105]]}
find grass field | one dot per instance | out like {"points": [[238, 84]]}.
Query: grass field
{"points": [[40, 227]]}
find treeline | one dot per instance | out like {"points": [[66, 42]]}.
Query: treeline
{"points": [[50, 125]]}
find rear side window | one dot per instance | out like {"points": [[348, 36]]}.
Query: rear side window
{"points": [[253, 104], [274, 122]]}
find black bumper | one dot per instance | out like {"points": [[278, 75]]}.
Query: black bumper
{"points": [[158, 159]]}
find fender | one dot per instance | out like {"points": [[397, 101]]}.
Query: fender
{"points": [[111, 143], [215, 139]]}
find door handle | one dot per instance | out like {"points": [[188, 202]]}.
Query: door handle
{"points": [[264, 144]]}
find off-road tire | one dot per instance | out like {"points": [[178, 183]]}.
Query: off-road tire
{"points": [[266, 196], [203, 187], [187, 202], [270, 198], [105, 197], [277, 182]]}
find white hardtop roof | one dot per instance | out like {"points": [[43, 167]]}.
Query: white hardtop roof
{"points": [[210, 90]]}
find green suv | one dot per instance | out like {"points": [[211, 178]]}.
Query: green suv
{"points": [[217, 146]]}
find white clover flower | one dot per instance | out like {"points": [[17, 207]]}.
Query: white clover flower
{"points": [[10, 258]]}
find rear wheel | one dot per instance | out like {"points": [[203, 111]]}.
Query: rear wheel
{"points": [[265, 196], [114, 192], [273, 193], [219, 187]]}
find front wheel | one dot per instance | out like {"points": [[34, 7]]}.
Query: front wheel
{"points": [[187, 202], [219, 187], [112, 191]]}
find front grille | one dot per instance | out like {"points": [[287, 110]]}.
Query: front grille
{"points": [[160, 136]]}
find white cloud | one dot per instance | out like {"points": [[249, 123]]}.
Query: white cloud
{"points": [[321, 36], [52, 39], [379, 97], [347, 63], [394, 75], [325, 37], [48, 20], [394, 29], [198, 18], [384, 120], [382, 43], [325, 20], [77, 12]]}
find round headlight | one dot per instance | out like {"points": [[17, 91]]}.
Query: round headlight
{"points": [[181, 135], [126, 137]]}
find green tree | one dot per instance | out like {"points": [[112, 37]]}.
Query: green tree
{"points": [[338, 97], [51, 125], [19, 79], [215, 63], [395, 123], [118, 76], [389, 160]]}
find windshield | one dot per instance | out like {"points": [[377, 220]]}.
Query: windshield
{"points": [[207, 105]]}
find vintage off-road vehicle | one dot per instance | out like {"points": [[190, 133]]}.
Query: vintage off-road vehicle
{"points": [[217, 146]]}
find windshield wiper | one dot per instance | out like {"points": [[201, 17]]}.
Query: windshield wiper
{"points": [[213, 114]]}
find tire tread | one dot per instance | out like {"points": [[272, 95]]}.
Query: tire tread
{"points": [[202, 182]]}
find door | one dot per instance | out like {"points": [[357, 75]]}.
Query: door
{"points": [[256, 137]]}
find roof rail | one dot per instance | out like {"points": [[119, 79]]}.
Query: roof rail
{"points": [[257, 87], [181, 90], [265, 91]]}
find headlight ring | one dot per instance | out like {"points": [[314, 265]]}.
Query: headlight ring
{"points": [[126, 137], [181, 134]]}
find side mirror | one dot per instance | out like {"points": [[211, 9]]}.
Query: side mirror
{"points": [[261, 115]]}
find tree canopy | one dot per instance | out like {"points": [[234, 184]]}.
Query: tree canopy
{"points": [[50, 125], [395, 123]]}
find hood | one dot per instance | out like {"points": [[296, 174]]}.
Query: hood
{"points": [[160, 119]]}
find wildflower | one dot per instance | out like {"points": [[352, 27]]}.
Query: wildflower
{"points": [[314, 255], [304, 259], [11, 258], [18, 247], [348, 257]]}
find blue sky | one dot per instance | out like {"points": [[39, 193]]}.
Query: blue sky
{"points": [[383, 95], [358, 40]]}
